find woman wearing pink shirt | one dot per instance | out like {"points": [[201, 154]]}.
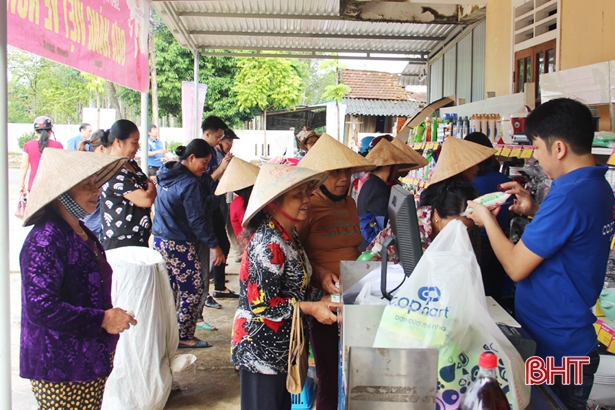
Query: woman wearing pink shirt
{"points": [[32, 150]]}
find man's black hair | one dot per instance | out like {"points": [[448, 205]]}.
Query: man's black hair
{"points": [[82, 126], [151, 127], [213, 123], [562, 119]]}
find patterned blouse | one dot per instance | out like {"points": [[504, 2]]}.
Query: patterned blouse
{"points": [[274, 275], [121, 219]]}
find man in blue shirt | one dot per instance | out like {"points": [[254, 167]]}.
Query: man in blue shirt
{"points": [[85, 131], [560, 261], [155, 151]]}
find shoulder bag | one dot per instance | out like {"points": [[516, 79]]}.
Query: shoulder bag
{"points": [[297, 356]]}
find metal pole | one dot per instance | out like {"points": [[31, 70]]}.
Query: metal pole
{"points": [[197, 120], [144, 145], [5, 282]]}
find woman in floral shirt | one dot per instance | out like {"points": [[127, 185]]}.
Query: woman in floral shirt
{"points": [[274, 278]]}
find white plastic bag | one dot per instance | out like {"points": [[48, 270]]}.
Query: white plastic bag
{"points": [[141, 378], [442, 305]]}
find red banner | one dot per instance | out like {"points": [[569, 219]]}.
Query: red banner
{"points": [[107, 38]]}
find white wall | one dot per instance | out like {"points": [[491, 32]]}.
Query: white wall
{"points": [[64, 132]]}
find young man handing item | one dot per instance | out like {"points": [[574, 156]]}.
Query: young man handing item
{"points": [[560, 261]]}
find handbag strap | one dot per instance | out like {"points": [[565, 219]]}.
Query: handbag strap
{"points": [[298, 324]]}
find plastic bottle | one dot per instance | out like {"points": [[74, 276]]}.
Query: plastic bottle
{"points": [[434, 129], [369, 255], [466, 127], [484, 124], [491, 127], [485, 393], [427, 130]]}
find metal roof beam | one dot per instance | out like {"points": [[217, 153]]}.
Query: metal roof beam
{"points": [[420, 56], [269, 16], [312, 55], [315, 35]]}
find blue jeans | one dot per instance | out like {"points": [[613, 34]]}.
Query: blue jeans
{"points": [[575, 397]]}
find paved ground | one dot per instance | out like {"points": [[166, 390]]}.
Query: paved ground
{"points": [[211, 384]]}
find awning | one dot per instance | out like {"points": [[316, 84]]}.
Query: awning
{"points": [[356, 106]]}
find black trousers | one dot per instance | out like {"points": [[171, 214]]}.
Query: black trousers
{"points": [[263, 391], [113, 243], [219, 228]]}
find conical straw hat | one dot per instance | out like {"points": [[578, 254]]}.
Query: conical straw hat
{"points": [[385, 153], [60, 170], [329, 154], [308, 134], [421, 161], [458, 155], [238, 175], [274, 180]]}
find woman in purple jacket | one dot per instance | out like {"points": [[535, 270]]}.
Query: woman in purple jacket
{"points": [[69, 327]]}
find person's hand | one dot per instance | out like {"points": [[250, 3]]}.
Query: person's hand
{"points": [[117, 320], [524, 205], [226, 160], [328, 280], [218, 255], [480, 214], [323, 311]]}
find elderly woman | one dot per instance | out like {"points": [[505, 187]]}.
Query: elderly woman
{"points": [[308, 140], [274, 277], [331, 234], [68, 325], [127, 197], [179, 224], [373, 200]]}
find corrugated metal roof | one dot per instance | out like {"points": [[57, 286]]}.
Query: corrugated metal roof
{"points": [[356, 106], [413, 74], [299, 26]]}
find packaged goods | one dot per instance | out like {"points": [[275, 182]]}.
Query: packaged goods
{"points": [[491, 201]]}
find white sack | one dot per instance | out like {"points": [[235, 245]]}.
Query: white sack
{"points": [[141, 378]]}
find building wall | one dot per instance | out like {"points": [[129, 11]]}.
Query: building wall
{"points": [[586, 37], [498, 56], [587, 32]]}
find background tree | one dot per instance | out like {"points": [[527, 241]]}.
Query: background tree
{"points": [[336, 92], [175, 64], [267, 83]]}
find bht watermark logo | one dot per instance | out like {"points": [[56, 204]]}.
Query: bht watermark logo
{"points": [[539, 371]]}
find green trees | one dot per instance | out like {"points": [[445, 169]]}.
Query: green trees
{"points": [[267, 83]]}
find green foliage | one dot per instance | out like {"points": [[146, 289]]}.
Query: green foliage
{"points": [[267, 83], [171, 146], [320, 74], [175, 64], [25, 137], [335, 92], [38, 86]]}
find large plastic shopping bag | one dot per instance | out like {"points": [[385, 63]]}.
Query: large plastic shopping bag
{"points": [[142, 375], [442, 305]]}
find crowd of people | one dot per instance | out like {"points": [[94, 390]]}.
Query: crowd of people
{"points": [[293, 226]]}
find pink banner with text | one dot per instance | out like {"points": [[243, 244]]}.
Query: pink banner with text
{"points": [[107, 38]]}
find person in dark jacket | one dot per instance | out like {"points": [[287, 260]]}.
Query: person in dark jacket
{"points": [[179, 224], [373, 200]]}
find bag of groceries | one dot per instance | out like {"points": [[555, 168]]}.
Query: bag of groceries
{"points": [[442, 305]]}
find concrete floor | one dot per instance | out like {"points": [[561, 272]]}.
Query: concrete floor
{"points": [[211, 384]]}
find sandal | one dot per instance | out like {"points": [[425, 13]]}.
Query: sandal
{"points": [[206, 326], [198, 345]]}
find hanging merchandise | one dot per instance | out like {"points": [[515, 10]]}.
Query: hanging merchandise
{"points": [[442, 305]]}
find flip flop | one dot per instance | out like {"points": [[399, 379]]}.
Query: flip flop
{"points": [[206, 326], [198, 345]]}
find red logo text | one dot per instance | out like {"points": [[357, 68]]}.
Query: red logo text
{"points": [[539, 371]]}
